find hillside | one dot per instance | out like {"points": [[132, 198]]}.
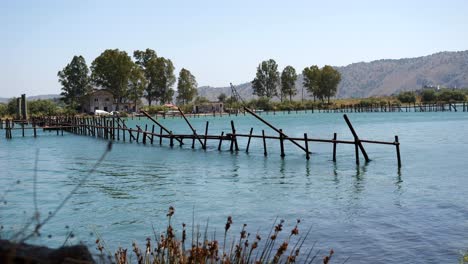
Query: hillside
{"points": [[382, 77], [365, 79]]}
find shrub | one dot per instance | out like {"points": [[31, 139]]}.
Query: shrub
{"points": [[407, 97], [428, 96]]}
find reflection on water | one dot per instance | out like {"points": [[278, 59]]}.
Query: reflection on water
{"points": [[373, 212]]}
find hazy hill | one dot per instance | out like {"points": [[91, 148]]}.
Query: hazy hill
{"points": [[33, 98], [382, 77], [364, 79]]}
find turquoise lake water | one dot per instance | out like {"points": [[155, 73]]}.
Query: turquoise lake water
{"points": [[371, 213]]}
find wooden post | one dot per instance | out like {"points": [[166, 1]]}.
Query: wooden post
{"points": [[22, 128], [281, 143], [113, 128], [193, 139], [264, 143], [160, 135], [152, 135], [356, 151], [206, 135], [356, 138], [220, 140], [149, 117], [306, 146], [334, 147], [248, 141], [171, 139], [234, 135], [274, 128], [34, 128], [397, 145], [190, 125], [138, 135]]}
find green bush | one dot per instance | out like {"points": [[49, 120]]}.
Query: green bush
{"points": [[428, 96], [42, 107], [407, 97], [3, 110], [446, 95]]}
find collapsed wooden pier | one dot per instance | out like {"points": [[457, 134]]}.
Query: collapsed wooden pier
{"points": [[115, 128]]}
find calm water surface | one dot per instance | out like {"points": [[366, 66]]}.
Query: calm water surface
{"points": [[372, 213]]}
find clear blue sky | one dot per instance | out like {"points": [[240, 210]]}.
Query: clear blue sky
{"points": [[219, 41]]}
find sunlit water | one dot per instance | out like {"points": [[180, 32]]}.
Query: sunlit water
{"points": [[370, 213]]}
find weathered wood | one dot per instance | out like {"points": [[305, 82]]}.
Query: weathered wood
{"points": [[356, 138], [334, 147], [234, 138], [191, 127], [264, 144], [274, 128], [160, 137], [397, 145], [220, 140], [306, 146], [157, 123], [281, 144], [206, 135], [193, 140], [248, 141]]}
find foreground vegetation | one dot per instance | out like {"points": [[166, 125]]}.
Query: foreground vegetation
{"points": [[246, 248]]}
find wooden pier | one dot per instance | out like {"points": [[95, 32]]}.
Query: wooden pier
{"points": [[115, 128]]}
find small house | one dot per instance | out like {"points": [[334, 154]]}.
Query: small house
{"points": [[103, 99], [208, 107]]}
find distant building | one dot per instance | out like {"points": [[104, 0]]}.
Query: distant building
{"points": [[208, 107], [103, 99]]}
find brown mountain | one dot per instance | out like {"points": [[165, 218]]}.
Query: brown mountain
{"points": [[382, 77]]}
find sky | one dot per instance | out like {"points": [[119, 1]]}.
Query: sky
{"points": [[219, 41]]}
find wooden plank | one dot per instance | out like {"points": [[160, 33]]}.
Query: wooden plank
{"points": [[274, 128]]}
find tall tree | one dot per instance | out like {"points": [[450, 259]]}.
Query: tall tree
{"points": [[288, 81], [267, 79], [75, 81], [311, 80], [164, 79], [186, 86], [330, 78], [147, 61], [136, 86], [112, 70]]}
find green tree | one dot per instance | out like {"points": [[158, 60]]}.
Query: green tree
{"points": [[407, 97], [75, 81], [428, 95], [146, 60], [42, 107], [267, 79], [136, 86], [112, 70], [330, 78], [222, 97], [186, 86], [311, 80], [288, 81], [3, 109], [164, 79]]}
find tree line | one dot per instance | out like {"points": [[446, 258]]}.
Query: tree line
{"points": [[148, 75], [321, 83]]}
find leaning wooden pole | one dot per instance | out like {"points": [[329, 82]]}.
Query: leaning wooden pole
{"points": [[160, 125], [191, 127], [274, 128], [356, 138]]}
